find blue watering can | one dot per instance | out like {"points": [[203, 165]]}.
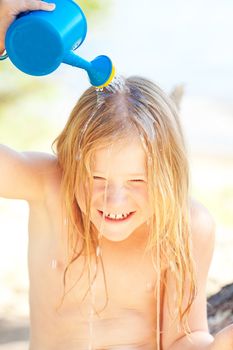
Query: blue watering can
{"points": [[37, 42]]}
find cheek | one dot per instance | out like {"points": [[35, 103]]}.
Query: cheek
{"points": [[80, 195], [140, 194], [98, 188], [82, 192], [97, 193]]}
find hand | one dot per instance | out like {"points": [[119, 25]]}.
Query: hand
{"points": [[223, 340], [9, 9]]}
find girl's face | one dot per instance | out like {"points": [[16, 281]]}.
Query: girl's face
{"points": [[121, 208]]}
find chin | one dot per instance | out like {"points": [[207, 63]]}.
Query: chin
{"points": [[116, 234], [116, 237]]}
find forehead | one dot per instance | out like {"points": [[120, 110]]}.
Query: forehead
{"points": [[124, 157]]}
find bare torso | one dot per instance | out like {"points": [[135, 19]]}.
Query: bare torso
{"points": [[129, 319]]}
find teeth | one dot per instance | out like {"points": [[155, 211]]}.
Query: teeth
{"points": [[117, 216]]}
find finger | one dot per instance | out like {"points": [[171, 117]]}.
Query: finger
{"points": [[30, 5], [4, 24], [33, 5]]}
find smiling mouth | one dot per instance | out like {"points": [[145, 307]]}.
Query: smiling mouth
{"points": [[107, 219]]}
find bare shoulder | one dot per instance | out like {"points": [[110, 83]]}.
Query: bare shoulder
{"points": [[25, 175], [47, 167], [202, 226], [44, 163]]}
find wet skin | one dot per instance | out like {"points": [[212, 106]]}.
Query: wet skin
{"points": [[129, 319]]}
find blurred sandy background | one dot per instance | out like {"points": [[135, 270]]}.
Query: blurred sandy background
{"points": [[172, 42]]}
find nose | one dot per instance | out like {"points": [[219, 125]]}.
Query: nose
{"points": [[116, 196]]}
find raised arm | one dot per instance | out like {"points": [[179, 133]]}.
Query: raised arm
{"points": [[9, 9], [24, 175], [21, 174]]}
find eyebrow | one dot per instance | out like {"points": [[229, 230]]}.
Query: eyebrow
{"points": [[98, 172], [137, 174]]}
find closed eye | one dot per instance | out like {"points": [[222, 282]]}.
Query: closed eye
{"points": [[133, 180], [137, 180], [98, 178]]}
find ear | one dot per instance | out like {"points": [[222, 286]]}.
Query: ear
{"points": [[177, 94]]}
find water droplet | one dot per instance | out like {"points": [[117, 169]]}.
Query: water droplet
{"points": [[149, 287], [149, 160], [98, 251], [108, 161], [79, 155], [65, 221], [117, 85], [98, 89], [91, 313], [82, 132], [172, 266], [143, 142], [54, 264]]}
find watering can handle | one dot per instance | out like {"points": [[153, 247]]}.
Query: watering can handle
{"points": [[3, 56]]}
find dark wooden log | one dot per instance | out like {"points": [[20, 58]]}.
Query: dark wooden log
{"points": [[220, 309]]}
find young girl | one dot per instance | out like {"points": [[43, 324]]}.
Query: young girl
{"points": [[118, 251]]}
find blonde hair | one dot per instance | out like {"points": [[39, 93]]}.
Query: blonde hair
{"points": [[136, 106]]}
